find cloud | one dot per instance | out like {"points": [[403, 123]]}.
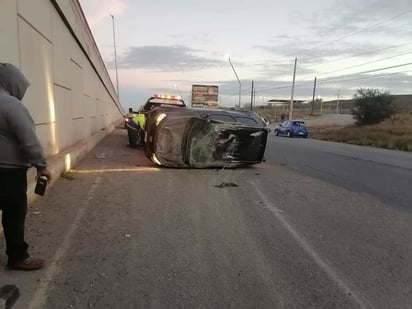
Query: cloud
{"points": [[360, 17], [309, 51], [165, 58], [99, 10]]}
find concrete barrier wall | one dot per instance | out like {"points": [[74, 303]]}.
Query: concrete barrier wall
{"points": [[71, 98]]}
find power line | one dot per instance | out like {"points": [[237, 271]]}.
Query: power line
{"points": [[350, 34], [331, 79], [366, 28], [361, 54], [361, 78], [369, 71], [365, 63], [346, 36], [354, 56]]}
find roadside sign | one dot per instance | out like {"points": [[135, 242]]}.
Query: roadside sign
{"points": [[205, 95]]}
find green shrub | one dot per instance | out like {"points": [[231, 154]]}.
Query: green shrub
{"points": [[371, 106]]}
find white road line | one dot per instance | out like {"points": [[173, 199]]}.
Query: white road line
{"points": [[330, 272], [40, 296]]}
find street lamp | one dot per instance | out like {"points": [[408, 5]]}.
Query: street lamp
{"points": [[115, 55], [240, 84], [177, 88]]}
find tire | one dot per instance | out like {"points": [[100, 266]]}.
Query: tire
{"points": [[289, 135], [276, 132]]}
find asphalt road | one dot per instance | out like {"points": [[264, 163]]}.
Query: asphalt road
{"points": [[385, 174], [318, 225]]}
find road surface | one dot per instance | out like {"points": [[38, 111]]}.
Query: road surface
{"points": [[318, 225]]}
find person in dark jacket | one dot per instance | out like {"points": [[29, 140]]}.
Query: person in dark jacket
{"points": [[132, 127], [20, 149]]}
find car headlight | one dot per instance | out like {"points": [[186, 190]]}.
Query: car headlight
{"points": [[155, 160], [159, 118]]}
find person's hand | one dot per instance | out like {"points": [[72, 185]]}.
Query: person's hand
{"points": [[44, 172]]}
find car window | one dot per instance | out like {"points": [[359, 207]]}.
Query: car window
{"points": [[299, 123], [246, 120], [223, 118]]}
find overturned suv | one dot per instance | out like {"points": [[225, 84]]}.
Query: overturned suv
{"points": [[204, 138]]}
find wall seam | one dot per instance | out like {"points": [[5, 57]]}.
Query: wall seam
{"points": [[34, 28], [69, 27]]}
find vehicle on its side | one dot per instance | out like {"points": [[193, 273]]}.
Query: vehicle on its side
{"points": [[291, 128], [153, 102], [205, 138]]}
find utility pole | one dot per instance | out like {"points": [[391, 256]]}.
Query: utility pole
{"points": [[254, 97], [251, 98], [337, 103], [115, 56], [293, 90], [313, 97]]}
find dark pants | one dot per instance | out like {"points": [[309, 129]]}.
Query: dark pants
{"points": [[133, 136], [13, 203]]}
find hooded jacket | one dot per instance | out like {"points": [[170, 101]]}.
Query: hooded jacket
{"points": [[19, 145]]}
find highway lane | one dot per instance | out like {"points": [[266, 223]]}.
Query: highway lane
{"points": [[385, 174], [124, 234]]}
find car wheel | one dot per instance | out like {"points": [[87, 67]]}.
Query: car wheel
{"points": [[289, 134], [276, 132]]}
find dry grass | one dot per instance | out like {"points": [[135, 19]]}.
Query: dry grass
{"points": [[394, 133]]}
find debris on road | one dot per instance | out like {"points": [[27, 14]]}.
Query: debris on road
{"points": [[226, 184], [68, 175]]}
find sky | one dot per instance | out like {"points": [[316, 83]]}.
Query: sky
{"points": [[167, 46]]}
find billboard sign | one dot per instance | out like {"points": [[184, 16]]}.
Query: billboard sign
{"points": [[205, 95]]}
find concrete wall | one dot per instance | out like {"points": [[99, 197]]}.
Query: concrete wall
{"points": [[71, 98]]}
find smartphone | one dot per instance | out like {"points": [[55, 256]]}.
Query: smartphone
{"points": [[41, 184]]}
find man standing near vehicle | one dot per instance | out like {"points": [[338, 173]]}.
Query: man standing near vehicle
{"points": [[19, 150], [133, 132]]}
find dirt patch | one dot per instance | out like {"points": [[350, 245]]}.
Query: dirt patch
{"points": [[330, 120]]}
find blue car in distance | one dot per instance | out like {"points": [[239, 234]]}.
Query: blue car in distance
{"points": [[291, 128]]}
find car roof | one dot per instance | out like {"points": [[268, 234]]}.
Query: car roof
{"points": [[199, 112]]}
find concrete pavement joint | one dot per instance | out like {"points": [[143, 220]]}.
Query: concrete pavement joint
{"points": [[303, 243], [40, 296]]}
